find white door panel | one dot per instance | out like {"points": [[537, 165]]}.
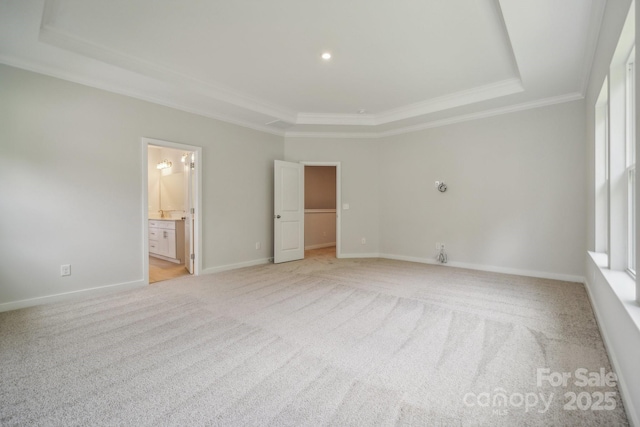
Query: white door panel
{"points": [[288, 211]]}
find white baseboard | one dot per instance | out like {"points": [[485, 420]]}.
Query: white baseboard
{"points": [[320, 246], [227, 267], [493, 269], [356, 255], [14, 305]]}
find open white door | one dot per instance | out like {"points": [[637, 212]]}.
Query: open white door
{"points": [[190, 217], [288, 218]]}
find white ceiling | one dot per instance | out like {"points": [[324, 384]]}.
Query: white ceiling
{"points": [[409, 64]]}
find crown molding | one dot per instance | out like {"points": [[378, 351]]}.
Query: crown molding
{"points": [[336, 119], [457, 99], [65, 41], [488, 113], [196, 91], [75, 78], [56, 37], [575, 96], [97, 84], [61, 39], [333, 135]]}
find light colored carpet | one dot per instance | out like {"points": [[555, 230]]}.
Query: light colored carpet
{"points": [[315, 342]]}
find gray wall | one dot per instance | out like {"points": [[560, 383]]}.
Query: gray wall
{"points": [[71, 185], [359, 164], [515, 198]]}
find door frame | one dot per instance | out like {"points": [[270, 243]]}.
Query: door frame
{"points": [[338, 201], [197, 204]]}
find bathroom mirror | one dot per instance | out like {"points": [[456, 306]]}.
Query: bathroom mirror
{"points": [[172, 192]]}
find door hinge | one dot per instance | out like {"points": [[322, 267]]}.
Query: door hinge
{"points": [[193, 256], [192, 165], [193, 211]]}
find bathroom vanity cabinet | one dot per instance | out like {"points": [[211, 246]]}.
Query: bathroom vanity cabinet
{"points": [[166, 239]]}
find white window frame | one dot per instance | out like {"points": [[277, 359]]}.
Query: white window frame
{"points": [[631, 163]]}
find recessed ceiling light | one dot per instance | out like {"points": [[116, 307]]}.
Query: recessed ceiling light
{"points": [[326, 56], [362, 111]]}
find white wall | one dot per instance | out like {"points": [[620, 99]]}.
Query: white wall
{"points": [[71, 186], [359, 169], [515, 198]]}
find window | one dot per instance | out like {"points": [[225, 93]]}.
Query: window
{"points": [[615, 158], [602, 170], [631, 163]]}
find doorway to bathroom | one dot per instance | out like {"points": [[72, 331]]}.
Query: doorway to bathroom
{"points": [[172, 189]]}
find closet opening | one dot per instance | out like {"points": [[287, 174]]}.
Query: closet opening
{"points": [[321, 210]]}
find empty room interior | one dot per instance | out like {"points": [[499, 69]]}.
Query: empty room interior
{"points": [[319, 213]]}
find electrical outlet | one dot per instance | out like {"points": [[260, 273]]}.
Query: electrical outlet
{"points": [[258, 245], [363, 241], [65, 270]]}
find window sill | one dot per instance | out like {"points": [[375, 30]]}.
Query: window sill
{"points": [[622, 285]]}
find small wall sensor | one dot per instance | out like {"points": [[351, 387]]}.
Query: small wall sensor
{"points": [[442, 187]]}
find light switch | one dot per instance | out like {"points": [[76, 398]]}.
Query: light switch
{"points": [[345, 206]]}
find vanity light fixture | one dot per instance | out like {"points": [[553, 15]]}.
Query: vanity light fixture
{"points": [[183, 159], [164, 164]]}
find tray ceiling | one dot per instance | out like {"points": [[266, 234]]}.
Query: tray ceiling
{"points": [[395, 67]]}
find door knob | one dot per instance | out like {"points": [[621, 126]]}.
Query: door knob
{"points": [[277, 216]]}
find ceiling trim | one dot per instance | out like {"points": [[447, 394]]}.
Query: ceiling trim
{"points": [[56, 73], [96, 84], [470, 96], [336, 119], [333, 135], [61, 39], [443, 122], [195, 91], [465, 97]]}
